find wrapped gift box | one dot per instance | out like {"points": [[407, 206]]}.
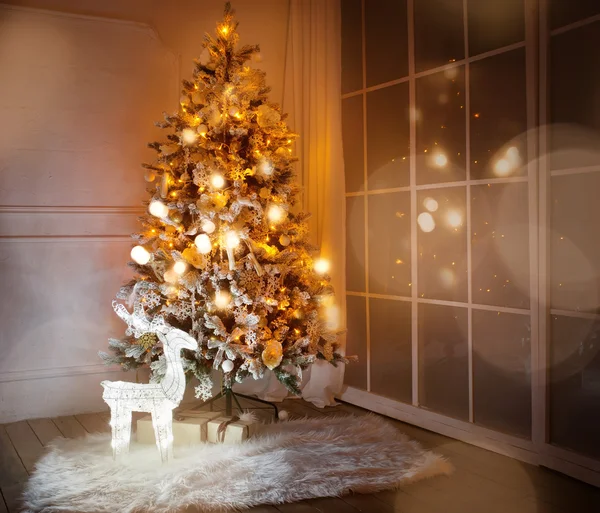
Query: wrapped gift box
{"points": [[229, 430], [189, 428]]}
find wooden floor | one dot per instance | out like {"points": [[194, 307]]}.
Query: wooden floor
{"points": [[484, 482]]}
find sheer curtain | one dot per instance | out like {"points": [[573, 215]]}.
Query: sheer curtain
{"points": [[312, 99]]}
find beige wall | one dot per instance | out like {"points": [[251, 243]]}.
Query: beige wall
{"points": [[78, 98]]}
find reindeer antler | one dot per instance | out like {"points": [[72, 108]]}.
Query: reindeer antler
{"points": [[138, 322]]}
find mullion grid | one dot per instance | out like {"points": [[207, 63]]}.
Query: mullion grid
{"points": [[413, 188]]}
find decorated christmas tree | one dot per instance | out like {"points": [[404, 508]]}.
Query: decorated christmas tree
{"points": [[222, 253]]}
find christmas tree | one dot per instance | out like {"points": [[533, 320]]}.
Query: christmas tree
{"points": [[222, 253]]}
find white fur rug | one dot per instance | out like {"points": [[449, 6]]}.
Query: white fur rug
{"points": [[285, 462]]}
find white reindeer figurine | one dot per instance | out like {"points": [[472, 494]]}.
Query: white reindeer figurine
{"points": [[159, 399]]}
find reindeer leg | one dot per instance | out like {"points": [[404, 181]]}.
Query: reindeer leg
{"points": [[126, 432], [114, 429], [162, 421], [120, 420]]}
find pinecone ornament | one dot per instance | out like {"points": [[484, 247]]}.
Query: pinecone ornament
{"points": [[148, 340]]}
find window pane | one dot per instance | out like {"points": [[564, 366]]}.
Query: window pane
{"points": [[442, 244], [564, 13], [388, 137], [352, 136], [389, 244], [494, 24], [574, 106], [443, 360], [391, 352], [386, 34], [500, 244], [351, 45], [502, 372], [498, 116], [441, 127], [575, 384], [355, 374], [355, 244], [439, 32], [575, 242]]}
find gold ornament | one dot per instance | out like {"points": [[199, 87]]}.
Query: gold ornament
{"points": [[168, 149], [327, 351], [284, 240], [219, 200], [147, 340], [272, 354], [267, 117], [198, 97], [204, 202], [193, 257], [265, 192], [149, 175], [176, 216]]}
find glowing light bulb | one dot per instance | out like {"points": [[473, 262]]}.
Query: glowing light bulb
{"points": [[170, 276], [265, 168], [140, 255], [188, 136], [222, 299], [440, 160], [447, 278], [426, 222], [502, 167], [202, 130], [276, 214], [203, 244], [180, 267], [208, 226], [454, 218], [217, 180], [231, 239], [224, 30], [513, 156], [430, 204], [158, 208], [321, 265]]}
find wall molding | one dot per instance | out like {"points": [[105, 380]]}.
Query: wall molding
{"points": [[71, 210], [65, 238], [144, 27], [151, 30], [59, 372]]}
